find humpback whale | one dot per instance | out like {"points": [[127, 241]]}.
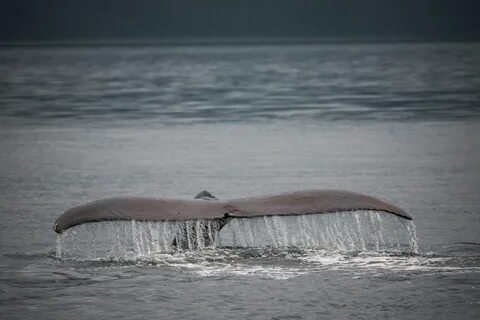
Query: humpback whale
{"points": [[206, 207]]}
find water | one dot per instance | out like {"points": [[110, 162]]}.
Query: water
{"points": [[399, 121], [242, 83], [342, 231], [130, 240]]}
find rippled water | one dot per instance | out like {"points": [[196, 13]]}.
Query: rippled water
{"points": [[242, 83], [398, 121]]}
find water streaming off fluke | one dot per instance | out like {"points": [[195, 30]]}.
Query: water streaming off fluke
{"points": [[341, 231]]}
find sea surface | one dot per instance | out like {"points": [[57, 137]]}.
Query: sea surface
{"points": [[397, 121]]}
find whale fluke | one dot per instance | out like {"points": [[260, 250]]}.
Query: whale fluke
{"points": [[152, 209]]}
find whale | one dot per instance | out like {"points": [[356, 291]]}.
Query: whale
{"points": [[205, 206]]}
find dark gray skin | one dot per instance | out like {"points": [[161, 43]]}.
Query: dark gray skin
{"points": [[152, 209], [205, 195]]}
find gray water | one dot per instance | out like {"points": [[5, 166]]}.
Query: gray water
{"points": [[398, 121]]}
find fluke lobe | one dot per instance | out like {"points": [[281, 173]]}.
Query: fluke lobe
{"points": [[206, 206]]}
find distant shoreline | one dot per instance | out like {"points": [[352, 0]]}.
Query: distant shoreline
{"points": [[224, 41]]}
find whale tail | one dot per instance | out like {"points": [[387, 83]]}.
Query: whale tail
{"points": [[304, 202]]}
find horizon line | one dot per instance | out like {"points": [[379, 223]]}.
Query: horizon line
{"points": [[227, 41]]}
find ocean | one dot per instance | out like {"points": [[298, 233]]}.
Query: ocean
{"points": [[397, 121]]}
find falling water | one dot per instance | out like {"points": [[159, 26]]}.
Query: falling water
{"points": [[341, 231], [135, 239]]}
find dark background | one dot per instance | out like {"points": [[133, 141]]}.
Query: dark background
{"points": [[97, 20]]}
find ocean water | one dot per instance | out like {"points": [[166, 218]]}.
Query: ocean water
{"points": [[397, 121]]}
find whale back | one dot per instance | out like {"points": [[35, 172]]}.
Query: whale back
{"points": [[205, 195]]}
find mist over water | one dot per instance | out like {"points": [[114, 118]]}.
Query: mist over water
{"points": [[396, 121]]}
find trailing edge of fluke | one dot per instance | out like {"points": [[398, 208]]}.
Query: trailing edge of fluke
{"points": [[207, 207]]}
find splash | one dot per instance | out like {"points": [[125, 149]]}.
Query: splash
{"points": [[341, 231], [132, 240]]}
